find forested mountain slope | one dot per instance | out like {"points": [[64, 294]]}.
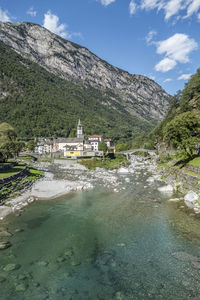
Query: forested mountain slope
{"points": [[38, 103], [187, 100]]}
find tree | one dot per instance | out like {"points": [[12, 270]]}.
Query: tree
{"points": [[103, 147], [9, 144], [122, 147], [182, 132], [31, 145]]}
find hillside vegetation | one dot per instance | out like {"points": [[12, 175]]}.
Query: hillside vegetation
{"points": [[181, 127], [37, 103]]}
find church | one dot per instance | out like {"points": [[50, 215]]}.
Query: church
{"points": [[76, 147]]}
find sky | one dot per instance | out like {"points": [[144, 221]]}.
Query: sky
{"points": [[158, 39]]}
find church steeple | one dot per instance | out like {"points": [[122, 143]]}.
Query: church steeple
{"points": [[79, 130]]}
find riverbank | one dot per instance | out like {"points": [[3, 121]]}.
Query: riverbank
{"points": [[60, 178], [65, 176], [183, 178]]}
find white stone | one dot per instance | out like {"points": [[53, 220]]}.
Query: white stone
{"points": [[127, 179], [175, 200], [166, 189], [123, 170], [150, 179], [190, 199]]}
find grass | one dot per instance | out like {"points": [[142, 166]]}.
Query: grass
{"points": [[35, 172], [11, 171], [107, 163], [192, 173], [195, 162], [142, 153], [162, 164], [64, 158]]}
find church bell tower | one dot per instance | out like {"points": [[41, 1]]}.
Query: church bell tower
{"points": [[80, 130]]}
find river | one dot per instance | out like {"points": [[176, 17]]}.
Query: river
{"points": [[122, 242]]}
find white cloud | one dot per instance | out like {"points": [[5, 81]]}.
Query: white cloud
{"points": [[184, 77], [193, 8], [51, 22], [167, 80], [106, 2], [165, 65], [152, 4], [177, 47], [31, 12], [132, 7], [172, 7], [4, 16], [149, 37]]}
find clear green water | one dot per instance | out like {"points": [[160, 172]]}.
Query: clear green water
{"points": [[103, 245]]}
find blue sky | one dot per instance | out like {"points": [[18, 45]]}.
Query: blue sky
{"points": [[156, 38]]}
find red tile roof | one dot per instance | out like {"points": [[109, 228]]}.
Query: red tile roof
{"points": [[95, 136]]}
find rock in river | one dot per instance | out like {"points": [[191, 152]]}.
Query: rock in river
{"points": [[11, 267], [166, 189], [21, 287], [4, 233], [190, 199], [4, 245]]}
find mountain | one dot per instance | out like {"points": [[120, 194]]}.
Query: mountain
{"points": [[69, 71]]}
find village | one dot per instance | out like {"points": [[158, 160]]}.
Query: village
{"points": [[77, 147]]}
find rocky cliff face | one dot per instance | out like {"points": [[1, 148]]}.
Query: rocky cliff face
{"points": [[139, 95]]}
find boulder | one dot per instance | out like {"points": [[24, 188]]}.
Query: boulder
{"points": [[21, 287], [190, 199], [11, 267], [150, 179], [123, 170], [166, 189], [42, 263], [4, 233], [127, 179], [4, 245]]}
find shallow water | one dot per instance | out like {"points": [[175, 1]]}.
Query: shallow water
{"points": [[103, 245]]}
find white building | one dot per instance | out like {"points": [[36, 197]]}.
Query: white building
{"points": [[94, 141], [44, 146]]}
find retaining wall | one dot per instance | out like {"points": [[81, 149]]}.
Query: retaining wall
{"points": [[13, 183], [8, 166], [187, 181], [194, 169]]}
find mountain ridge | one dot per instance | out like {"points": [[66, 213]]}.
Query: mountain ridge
{"points": [[139, 95], [39, 104]]}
